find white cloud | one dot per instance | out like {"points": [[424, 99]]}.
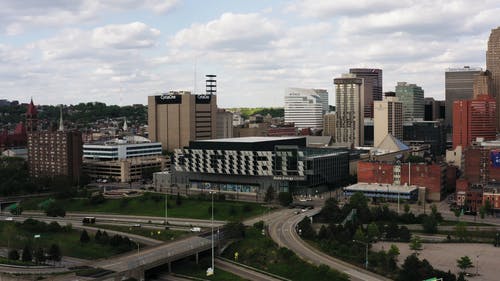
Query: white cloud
{"points": [[231, 32]]}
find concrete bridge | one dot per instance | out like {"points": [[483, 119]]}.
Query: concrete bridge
{"points": [[134, 265]]}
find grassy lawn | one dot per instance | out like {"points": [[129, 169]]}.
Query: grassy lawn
{"points": [[14, 262], [69, 242], [153, 204], [261, 252], [190, 268], [164, 235]]}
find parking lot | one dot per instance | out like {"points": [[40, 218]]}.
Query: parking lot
{"points": [[444, 257]]}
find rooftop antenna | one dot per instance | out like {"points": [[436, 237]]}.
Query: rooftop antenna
{"points": [[61, 123], [194, 78]]}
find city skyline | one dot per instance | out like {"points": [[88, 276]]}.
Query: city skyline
{"points": [[122, 52]]}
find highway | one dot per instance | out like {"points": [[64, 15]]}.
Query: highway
{"points": [[282, 231]]}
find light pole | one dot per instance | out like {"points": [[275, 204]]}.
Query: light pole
{"points": [[211, 270], [366, 252], [166, 209], [477, 265]]}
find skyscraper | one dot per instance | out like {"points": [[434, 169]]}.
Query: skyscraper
{"points": [[412, 98], [176, 118], [388, 119], [349, 107], [459, 85], [493, 65], [372, 77], [473, 119], [482, 84], [305, 107]]}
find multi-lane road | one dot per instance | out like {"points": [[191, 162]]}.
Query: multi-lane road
{"points": [[282, 230]]}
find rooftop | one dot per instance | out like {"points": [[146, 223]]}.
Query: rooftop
{"points": [[251, 139], [391, 188]]}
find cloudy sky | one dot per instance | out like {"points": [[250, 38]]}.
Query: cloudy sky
{"points": [[121, 51]]}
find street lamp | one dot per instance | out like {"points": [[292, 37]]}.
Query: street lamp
{"points": [[166, 209], [366, 252], [211, 270]]}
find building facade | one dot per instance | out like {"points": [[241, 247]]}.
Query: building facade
{"points": [[459, 85], [224, 124], [388, 119], [482, 84], [421, 133], [176, 118], [412, 98], [373, 77], [473, 119], [130, 158], [329, 124], [434, 109], [349, 110], [55, 153], [249, 166], [493, 66], [305, 107], [431, 176]]}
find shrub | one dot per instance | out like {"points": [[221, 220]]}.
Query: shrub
{"points": [[84, 237], [13, 255]]}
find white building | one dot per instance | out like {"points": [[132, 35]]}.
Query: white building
{"points": [[305, 107], [350, 104], [388, 119], [126, 147]]}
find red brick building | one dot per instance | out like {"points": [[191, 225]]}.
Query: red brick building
{"points": [[473, 119], [432, 176]]}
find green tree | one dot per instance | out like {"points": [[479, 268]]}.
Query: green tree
{"points": [[84, 237], [415, 244], [13, 255], [430, 224], [458, 213], [178, 199], [407, 208], [305, 228], [269, 194], [55, 210], [55, 253], [27, 254], [234, 230], [482, 212], [285, 198], [372, 231], [461, 231], [9, 231], [330, 212], [464, 263], [359, 235], [39, 255], [392, 255], [488, 206]]}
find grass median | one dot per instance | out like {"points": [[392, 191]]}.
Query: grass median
{"points": [[153, 204], [158, 234]]}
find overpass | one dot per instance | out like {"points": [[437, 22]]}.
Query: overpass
{"points": [[137, 263]]}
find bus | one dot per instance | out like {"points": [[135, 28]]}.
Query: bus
{"points": [[88, 220]]}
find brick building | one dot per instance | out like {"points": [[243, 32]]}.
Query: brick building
{"points": [[433, 177], [473, 119]]}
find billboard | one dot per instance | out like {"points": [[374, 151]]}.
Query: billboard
{"points": [[168, 99], [203, 98], [495, 158]]}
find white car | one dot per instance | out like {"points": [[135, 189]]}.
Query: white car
{"points": [[195, 229], [9, 219]]}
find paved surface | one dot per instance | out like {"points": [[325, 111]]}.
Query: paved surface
{"points": [[282, 230], [444, 257], [242, 271]]}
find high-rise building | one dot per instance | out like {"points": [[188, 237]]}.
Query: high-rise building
{"points": [[55, 153], [176, 118], [412, 98], [373, 80], [388, 119], [329, 125], [304, 107], [224, 124], [482, 84], [350, 104], [434, 109], [493, 66], [473, 119], [459, 85]]}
